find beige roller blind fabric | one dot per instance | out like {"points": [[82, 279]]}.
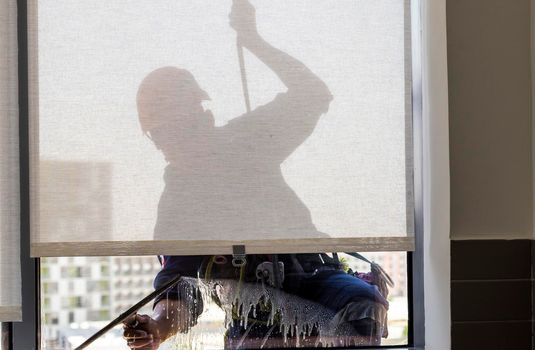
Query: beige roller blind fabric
{"points": [[142, 143], [10, 293]]}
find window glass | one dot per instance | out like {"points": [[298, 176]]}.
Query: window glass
{"points": [[75, 305]]}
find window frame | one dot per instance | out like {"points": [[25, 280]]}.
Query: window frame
{"points": [[19, 334], [26, 334]]}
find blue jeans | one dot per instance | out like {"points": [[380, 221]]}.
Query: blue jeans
{"points": [[335, 289]]}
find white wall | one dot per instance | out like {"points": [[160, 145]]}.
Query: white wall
{"points": [[436, 177]]}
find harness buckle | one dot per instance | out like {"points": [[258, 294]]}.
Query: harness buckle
{"points": [[266, 272]]}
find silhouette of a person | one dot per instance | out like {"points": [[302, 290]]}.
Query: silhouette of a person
{"points": [[226, 181], [223, 181]]}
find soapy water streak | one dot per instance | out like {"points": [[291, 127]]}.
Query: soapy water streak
{"points": [[295, 317]]}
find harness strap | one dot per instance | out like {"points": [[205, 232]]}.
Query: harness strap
{"points": [[276, 271]]}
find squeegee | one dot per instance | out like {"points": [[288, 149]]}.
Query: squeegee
{"points": [[129, 312]]}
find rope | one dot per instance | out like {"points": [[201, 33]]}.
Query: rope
{"points": [[208, 273], [243, 74]]}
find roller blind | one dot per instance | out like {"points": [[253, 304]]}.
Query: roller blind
{"points": [[158, 132], [10, 293]]}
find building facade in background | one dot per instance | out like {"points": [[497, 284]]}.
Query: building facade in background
{"points": [[78, 292]]}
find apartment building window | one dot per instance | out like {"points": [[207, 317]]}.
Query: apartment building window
{"points": [[73, 302], [105, 270], [45, 272], [105, 300], [46, 303], [49, 287]]}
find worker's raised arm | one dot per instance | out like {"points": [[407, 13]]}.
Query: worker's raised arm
{"points": [[276, 129], [293, 73]]}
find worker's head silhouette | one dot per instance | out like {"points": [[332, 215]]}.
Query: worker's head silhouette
{"points": [[169, 101], [227, 181]]}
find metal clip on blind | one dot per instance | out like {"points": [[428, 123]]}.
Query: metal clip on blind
{"points": [[239, 258]]}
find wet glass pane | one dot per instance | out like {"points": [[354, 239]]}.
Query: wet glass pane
{"points": [[322, 300]]}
